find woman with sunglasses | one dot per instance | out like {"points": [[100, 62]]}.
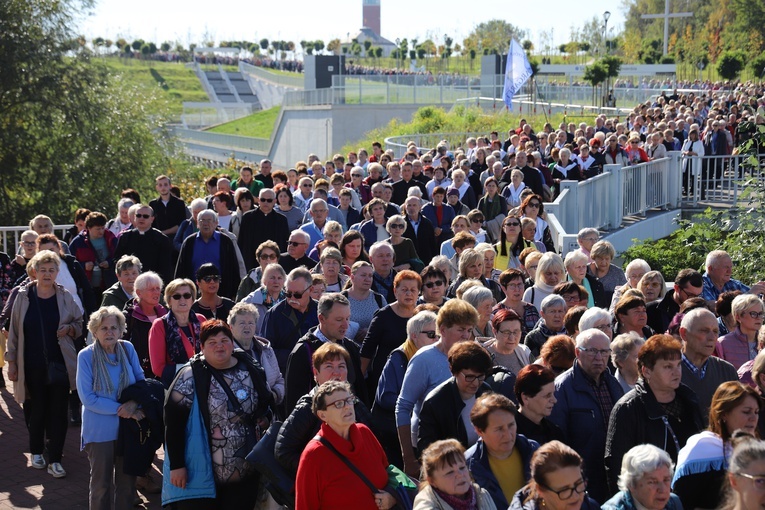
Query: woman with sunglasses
{"points": [[174, 337], [740, 345], [511, 244], [557, 481], [403, 247], [533, 207], [324, 477], [267, 253], [210, 304]]}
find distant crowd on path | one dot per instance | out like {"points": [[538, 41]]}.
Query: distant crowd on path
{"points": [[313, 337]]}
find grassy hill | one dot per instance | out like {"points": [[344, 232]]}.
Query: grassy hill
{"points": [[258, 125]]}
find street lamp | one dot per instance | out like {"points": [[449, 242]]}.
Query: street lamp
{"points": [[398, 51], [606, 15]]}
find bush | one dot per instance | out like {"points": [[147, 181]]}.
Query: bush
{"points": [[730, 65]]}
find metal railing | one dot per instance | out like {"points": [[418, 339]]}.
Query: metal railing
{"points": [[717, 179], [201, 115], [224, 140], [206, 85], [647, 186], [10, 237], [230, 85], [295, 82], [301, 98]]}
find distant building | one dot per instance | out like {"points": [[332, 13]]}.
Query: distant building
{"points": [[371, 15], [367, 34]]}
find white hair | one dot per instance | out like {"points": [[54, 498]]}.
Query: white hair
{"points": [[715, 256], [593, 316], [573, 257], [207, 213], [638, 461], [637, 264], [198, 204], [589, 334], [552, 300]]}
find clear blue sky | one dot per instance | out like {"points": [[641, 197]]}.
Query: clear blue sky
{"points": [[188, 21]]}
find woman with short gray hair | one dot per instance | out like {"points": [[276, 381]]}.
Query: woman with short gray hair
{"points": [[553, 310], [610, 275], [597, 318], [644, 481], [483, 301], [550, 272], [624, 352], [634, 272]]}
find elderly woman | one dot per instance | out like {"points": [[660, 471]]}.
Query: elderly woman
{"points": [[447, 482], [445, 411], [324, 479], [189, 225], [140, 313], [553, 309], [608, 274], [624, 356], [331, 267], [213, 412], [576, 269], [631, 316], [511, 244], [652, 286], [494, 418], [700, 476], [388, 327], [511, 281], [27, 250], [557, 481], [644, 481], [94, 250], [471, 268], [266, 253], [243, 320], [269, 293], [403, 248], [740, 345], [42, 360], [597, 318], [512, 191], [420, 332], [634, 272], [489, 271], [550, 271], [483, 301], [104, 369], [506, 348], [533, 207], [558, 354], [535, 391], [174, 337], [333, 233], [659, 411], [210, 304], [747, 462]]}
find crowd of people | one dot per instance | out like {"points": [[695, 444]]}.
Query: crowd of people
{"points": [[379, 332]]}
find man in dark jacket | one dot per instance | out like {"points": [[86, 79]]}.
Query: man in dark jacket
{"points": [[153, 248], [209, 245], [334, 318], [688, 284], [586, 394], [420, 230], [531, 176], [262, 224], [401, 188], [169, 210]]}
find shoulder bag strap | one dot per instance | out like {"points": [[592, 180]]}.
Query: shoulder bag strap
{"points": [[348, 463]]}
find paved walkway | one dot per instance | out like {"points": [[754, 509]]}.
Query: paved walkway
{"points": [[21, 486]]}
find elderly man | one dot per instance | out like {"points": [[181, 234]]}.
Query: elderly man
{"points": [[717, 278], [260, 225], [295, 256], [688, 284], [318, 211], [382, 257], [291, 318], [586, 394], [127, 268], [703, 372], [334, 313], [153, 248], [531, 176], [420, 230], [210, 246]]}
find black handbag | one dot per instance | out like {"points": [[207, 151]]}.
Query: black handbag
{"points": [[57, 374], [279, 483]]}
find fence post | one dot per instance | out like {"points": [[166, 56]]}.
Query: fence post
{"points": [[616, 185], [674, 179]]}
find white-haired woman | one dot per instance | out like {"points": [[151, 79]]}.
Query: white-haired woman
{"points": [[104, 369], [270, 292], [553, 310], [331, 266], [653, 286], [483, 301], [597, 318], [576, 268], [550, 271], [634, 272], [406, 256], [740, 345], [624, 355], [644, 481], [141, 312]]}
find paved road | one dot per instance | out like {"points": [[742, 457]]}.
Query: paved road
{"points": [[21, 486]]}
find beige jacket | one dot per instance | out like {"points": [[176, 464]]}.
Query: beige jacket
{"points": [[427, 499], [69, 315]]}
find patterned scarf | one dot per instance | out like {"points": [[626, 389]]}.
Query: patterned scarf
{"points": [[102, 382], [173, 340], [467, 501]]}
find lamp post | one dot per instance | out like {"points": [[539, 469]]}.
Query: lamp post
{"points": [[398, 51], [606, 15]]}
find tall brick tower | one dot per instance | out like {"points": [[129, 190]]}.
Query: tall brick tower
{"points": [[371, 15]]}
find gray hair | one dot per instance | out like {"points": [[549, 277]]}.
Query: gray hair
{"points": [[549, 261], [742, 302], [378, 246], [332, 226], [573, 257], [299, 272], [125, 203], [146, 279], [318, 203], [329, 300], [242, 308], [273, 266], [198, 204], [715, 256], [622, 345], [637, 264], [586, 232], [127, 262], [551, 301], [103, 313], [302, 233], [478, 294], [693, 315], [44, 257], [331, 253], [207, 213], [640, 460], [593, 316], [417, 323], [589, 334]]}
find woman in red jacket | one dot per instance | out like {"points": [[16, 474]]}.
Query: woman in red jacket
{"points": [[324, 480]]}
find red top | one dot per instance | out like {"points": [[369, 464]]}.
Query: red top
{"points": [[158, 346], [325, 482]]}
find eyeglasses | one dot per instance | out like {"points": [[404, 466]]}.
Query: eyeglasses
{"points": [[178, 297], [295, 244], [756, 315], [759, 480], [594, 352], [355, 175], [519, 285], [535, 205], [296, 295], [603, 327], [266, 256], [430, 334], [306, 185], [436, 283], [478, 220], [566, 493], [512, 224], [469, 378], [397, 225], [267, 200], [143, 216], [28, 243], [689, 294], [508, 332], [211, 278], [339, 404]]}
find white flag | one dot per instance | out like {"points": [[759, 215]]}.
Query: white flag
{"points": [[517, 72]]}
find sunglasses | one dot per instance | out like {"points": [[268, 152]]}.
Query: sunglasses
{"points": [[144, 216], [265, 256], [355, 175], [512, 224], [437, 283], [267, 200], [535, 205], [178, 297], [295, 244], [296, 295], [211, 278], [397, 225], [306, 185], [430, 334]]}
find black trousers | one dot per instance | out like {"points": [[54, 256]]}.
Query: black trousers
{"points": [[45, 412], [232, 496]]}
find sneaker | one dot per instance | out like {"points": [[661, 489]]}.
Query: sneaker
{"points": [[147, 485], [38, 462], [57, 470]]}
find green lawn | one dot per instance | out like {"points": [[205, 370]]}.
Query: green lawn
{"points": [[178, 83], [257, 125]]}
